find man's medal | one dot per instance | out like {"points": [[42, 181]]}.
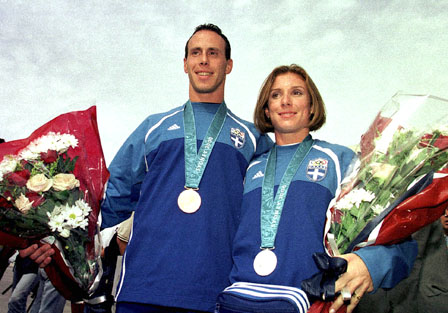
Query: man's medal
{"points": [[189, 200]]}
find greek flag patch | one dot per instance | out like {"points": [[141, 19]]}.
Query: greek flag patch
{"points": [[238, 137], [317, 169], [257, 292]]}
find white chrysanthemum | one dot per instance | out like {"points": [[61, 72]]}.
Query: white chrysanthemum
{"points": [[57, 222], [84, 206], [29, 154], [68, 140], [64, 218], [363, 195], [344, 203], [84, 223], [8, 165], [50, 141], [377, 209], [354, 198], [73, 215]]}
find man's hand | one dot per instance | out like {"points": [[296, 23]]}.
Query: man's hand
{"points": [[356, 280], [40, 255]]}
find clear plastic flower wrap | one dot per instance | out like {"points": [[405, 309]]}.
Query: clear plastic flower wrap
{"points": [[405, 145], [51, 185], [397, 184]]}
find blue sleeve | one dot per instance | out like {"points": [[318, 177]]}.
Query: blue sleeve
{"points": [[388, 265], [127, 171]]}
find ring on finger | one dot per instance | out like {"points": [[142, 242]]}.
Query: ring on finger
{"points": [[357, 297], [346, 294]]}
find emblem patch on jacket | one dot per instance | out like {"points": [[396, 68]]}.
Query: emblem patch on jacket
{"points": [[317, 169], [238, 137]]}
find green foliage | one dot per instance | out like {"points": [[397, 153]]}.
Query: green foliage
{"points": [[406, 160]]}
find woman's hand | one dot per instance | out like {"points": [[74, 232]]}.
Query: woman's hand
{"points": [[356, 280], [40, 255]]}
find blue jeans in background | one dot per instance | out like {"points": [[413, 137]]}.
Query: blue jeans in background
{"points": [[23, 287], [48, 299]]}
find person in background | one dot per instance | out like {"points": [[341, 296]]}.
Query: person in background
{"points": [[25, 281], [48, 299], [5, 252], [123, 233], [286, 196], [444, 222], [426, 288]]}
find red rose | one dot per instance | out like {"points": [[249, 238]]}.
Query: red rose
{"points": [[376, 128], [7, 194], [49, 157], [19, 178], [337, 216], [441, 142], [35, 198]]}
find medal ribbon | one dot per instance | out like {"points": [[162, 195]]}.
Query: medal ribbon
{"points": [[271, 208], [195, 162]]}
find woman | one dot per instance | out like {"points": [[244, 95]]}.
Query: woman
{"points": [[276, 237]]}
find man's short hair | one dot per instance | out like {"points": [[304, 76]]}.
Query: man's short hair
{"points": [[215, 29]]}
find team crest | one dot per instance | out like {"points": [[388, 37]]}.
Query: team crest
{"points": [[238, 137], [317, 169]]}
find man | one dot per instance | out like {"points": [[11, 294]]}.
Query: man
{"points": [[186, 202]]}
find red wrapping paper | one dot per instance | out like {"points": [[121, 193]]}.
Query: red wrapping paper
{"points": [[92, 173]]}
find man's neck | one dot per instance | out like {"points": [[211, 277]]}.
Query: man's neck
{"points": [[206, 99], [213, 97]]}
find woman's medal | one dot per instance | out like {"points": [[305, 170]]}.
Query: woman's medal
{"points": [[265, 261], [189, 200]]}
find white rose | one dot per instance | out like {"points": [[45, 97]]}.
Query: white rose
{"points": [[23, 203], [65, 182], [38, 183], [383, 171]]}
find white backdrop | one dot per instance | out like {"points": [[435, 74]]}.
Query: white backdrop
{"points": [[126, 57]]}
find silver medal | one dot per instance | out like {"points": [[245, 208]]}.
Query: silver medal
{"points": [[189, 201], [265, 262]]}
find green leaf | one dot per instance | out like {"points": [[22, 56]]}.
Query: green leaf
{"points": [[61, 195]]}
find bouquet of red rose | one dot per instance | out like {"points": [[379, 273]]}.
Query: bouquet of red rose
{"points": [[391, 191], [51, 185]]}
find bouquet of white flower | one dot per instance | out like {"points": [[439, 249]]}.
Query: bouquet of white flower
{"points": [[403, 144], [391, 190], [50, 187]]}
